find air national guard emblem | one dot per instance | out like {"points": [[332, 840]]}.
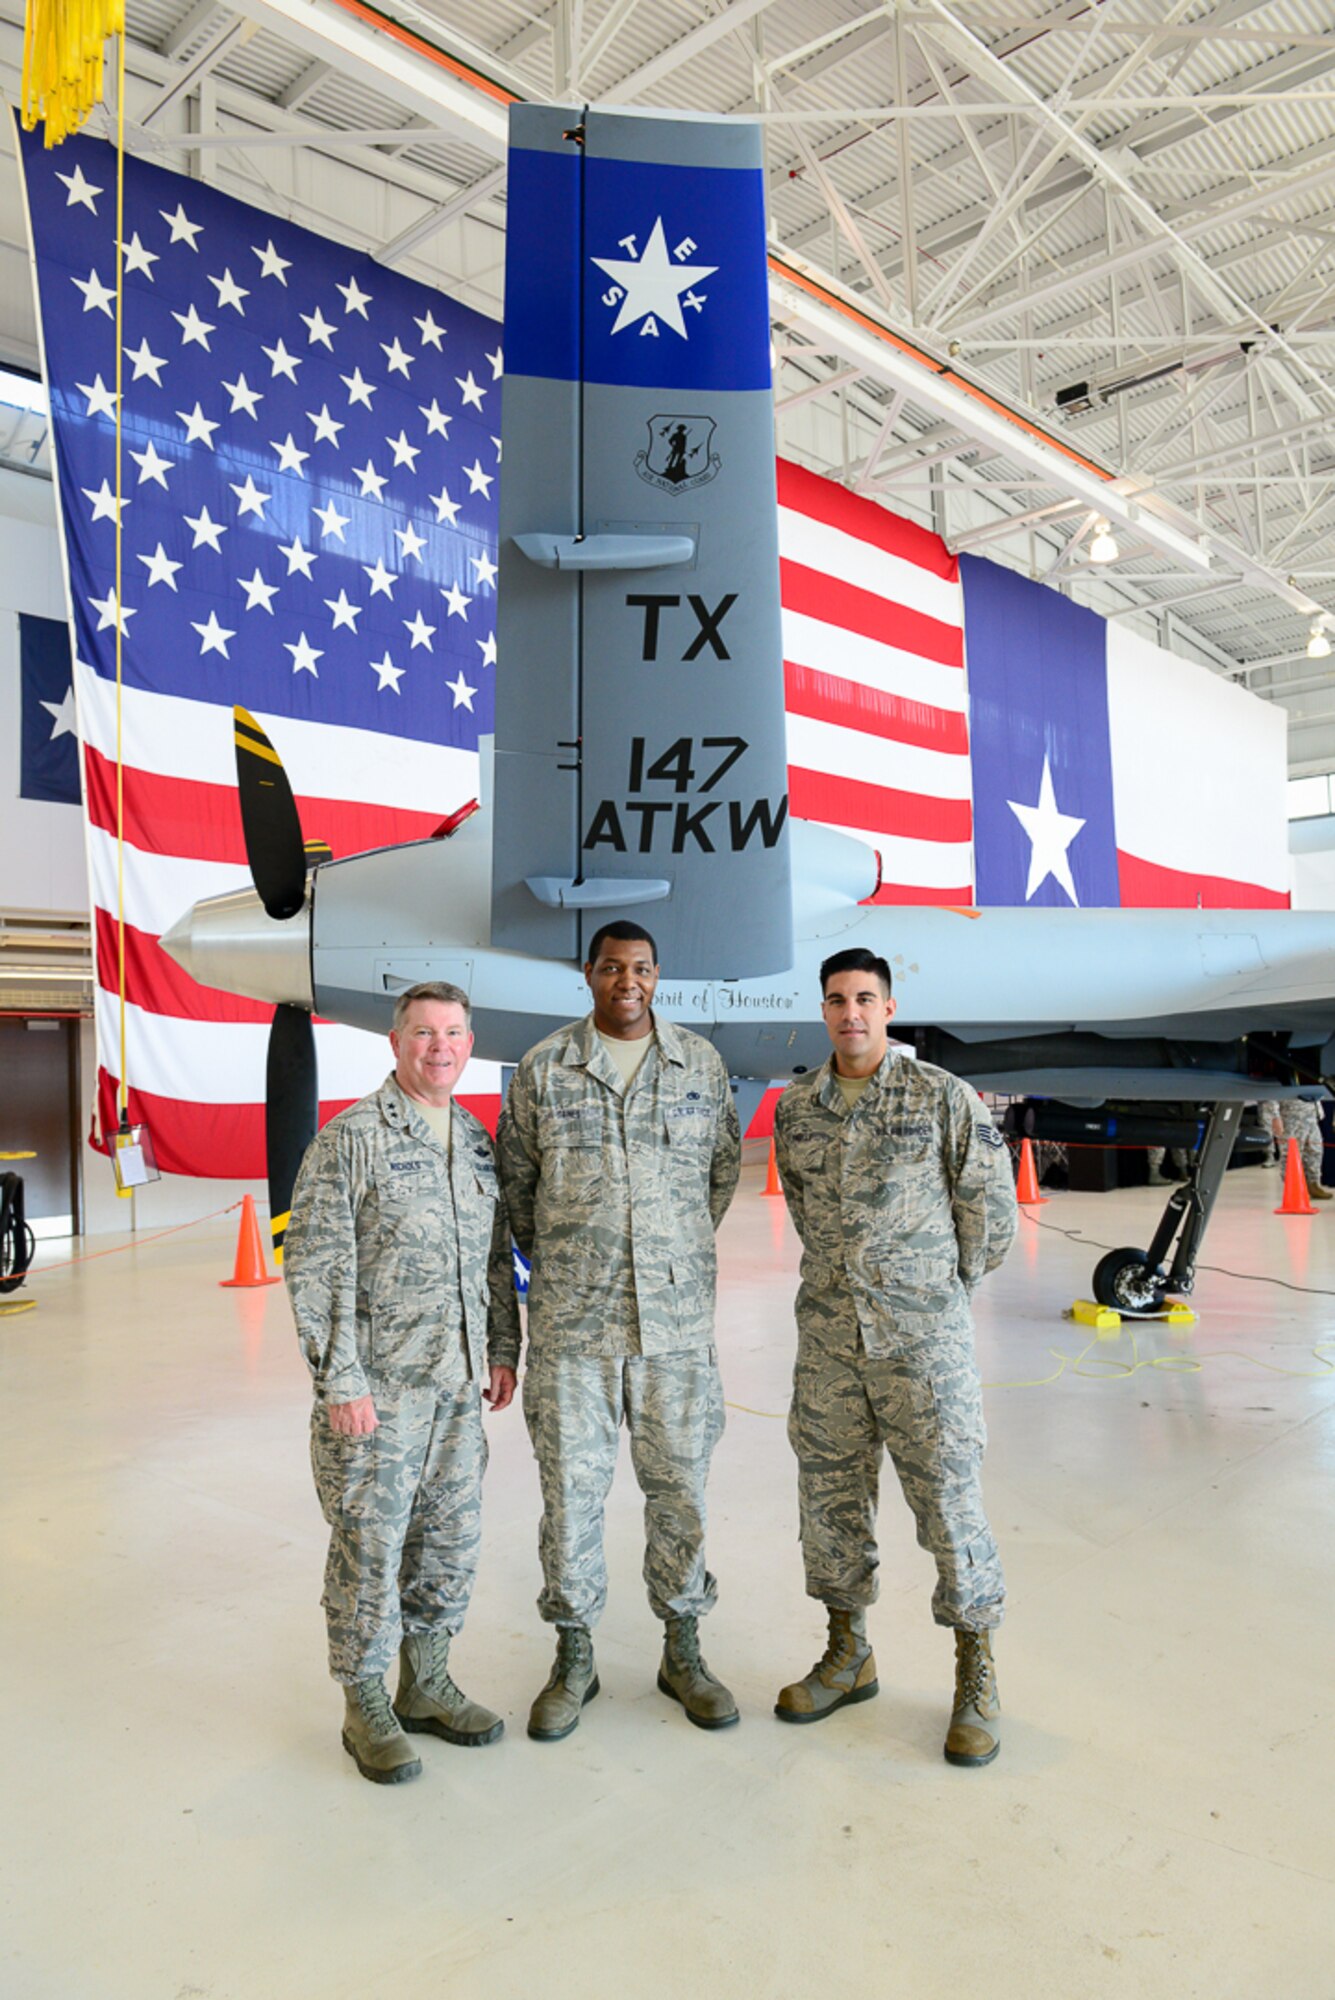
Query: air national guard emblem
{"points": [[680, 455]]}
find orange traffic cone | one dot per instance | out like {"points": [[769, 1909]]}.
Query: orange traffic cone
{"points": [[1296, 1199], [249, 1251], [1026, 1183], [772, 1185]]}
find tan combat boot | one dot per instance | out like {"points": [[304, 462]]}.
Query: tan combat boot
{"points": [[572, 1682], [846, 1673], [373, 1739], [1318, 1192], [974, 1736], [428, 1699], [683, 1675]]}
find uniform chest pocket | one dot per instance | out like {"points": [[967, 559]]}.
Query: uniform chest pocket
{"points": [[572, 1140], [404, 1188], [689, 1127]]}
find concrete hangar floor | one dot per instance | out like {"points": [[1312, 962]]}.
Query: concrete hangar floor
{"points": [[181, 1820]]}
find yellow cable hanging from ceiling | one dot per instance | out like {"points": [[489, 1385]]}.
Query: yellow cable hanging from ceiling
{"points": [[63, 42]]}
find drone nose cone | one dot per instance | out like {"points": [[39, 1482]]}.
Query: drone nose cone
{"points": [[231, 942]]}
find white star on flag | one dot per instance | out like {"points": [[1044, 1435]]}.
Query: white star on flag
{"points": [[161, 568], [282, 362], [420, 631], [106, 507], [271, 264], [437, 420], [105, 608], [195, 329], [488, 646], [355, 300], [382, 579], [206, 530], [304, 656], [249, 499], [245, 398], [198, 428], [389, 674], [137, 258], [97, 297], [151, 466], [331, 522], [345, 613], [478, 480], [319, 330], [259, 594], [101, 400], [1050, 833], [653, 284], [146, 362], [470, 391], [412, 543], [80, 190], [62, 712], [358, 388], [213, 636], [327, 427], [229, 292], [457, 602], [182, 229], [431, 333], [485, 567], [463, 694]]}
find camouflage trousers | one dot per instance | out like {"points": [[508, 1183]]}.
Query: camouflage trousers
{"points": [[927, 1412], [672, 1406], [404, 1510], [1299, 1119]]}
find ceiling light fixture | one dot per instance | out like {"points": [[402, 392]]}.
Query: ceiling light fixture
{"points": [[1103, 546], [1318, 645]]}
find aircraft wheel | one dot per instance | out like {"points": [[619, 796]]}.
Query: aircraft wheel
{"points": [[1123, 1280]]}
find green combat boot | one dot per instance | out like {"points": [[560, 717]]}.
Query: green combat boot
{"points": [[428, 1699], [373, 1739], [974, 1736], [846, 1673], [684, 1675], [572, 1682]]}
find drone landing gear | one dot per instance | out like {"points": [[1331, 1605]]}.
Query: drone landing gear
{"points": [[1138, 1281]]}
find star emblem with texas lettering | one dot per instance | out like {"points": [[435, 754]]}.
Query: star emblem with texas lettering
{"points": [[653, 287]]}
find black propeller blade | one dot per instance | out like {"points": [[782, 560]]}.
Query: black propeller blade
{"points": [[274, 847], [291, 1107]]}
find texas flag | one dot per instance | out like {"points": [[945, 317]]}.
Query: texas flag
{"points": [[1107, 771]]}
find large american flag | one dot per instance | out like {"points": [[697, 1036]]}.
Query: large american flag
{"points": [[311, 449], [309, 510]]}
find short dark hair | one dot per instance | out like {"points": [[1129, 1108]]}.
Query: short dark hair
{"points": [[857, 960], [624, 932]]}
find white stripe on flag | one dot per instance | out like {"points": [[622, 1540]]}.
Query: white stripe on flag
{"points": [[172, 737], [222, 1062], [923, 864], [877, 760], [837, 554], [1198, 764], [829, 649]]}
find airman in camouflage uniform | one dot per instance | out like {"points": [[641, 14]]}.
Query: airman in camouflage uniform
{"points": [[1299, 1119], [900, 1188], [399, 1269], [619, 1153]]}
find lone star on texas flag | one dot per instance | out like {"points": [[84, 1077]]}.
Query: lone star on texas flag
{"points": [[1050, 833]]}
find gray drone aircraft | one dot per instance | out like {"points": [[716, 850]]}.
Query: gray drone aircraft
{"points": [[638, 768]]}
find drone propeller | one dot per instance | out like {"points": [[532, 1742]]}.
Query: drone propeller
{"points": [[278, 861], [270, 821]]}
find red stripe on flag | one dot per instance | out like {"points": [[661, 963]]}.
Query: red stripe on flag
{"points": [[154, 981], [815, 595], [827, 698], [807, 493], [1147, 886], [876, 808], [202, 822], [230, 1137]]}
